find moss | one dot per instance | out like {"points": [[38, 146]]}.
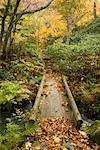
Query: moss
{"points": [[94, 131]]}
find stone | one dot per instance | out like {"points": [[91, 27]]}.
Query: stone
{"points": [[39, 145], [69, 145]]}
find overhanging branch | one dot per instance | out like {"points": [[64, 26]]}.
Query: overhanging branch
{"points": [[37, 9]]}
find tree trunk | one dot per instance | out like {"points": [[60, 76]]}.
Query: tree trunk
{"points": [[11, 39], [94, 11], [3, 23], [11, 22], [8, 34], [68, 30]]}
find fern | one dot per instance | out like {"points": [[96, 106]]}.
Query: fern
{"points": [[12, 92]]}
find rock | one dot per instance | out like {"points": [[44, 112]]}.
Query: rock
{"points": [[39, 145], [28, 145], [94, 131], [8, 119], [37, 148], [56, 139], [69, 146], [83, 133], [85, 125]]}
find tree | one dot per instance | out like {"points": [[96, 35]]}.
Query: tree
{"points": [[10, 13], [94, 10], [72, 11], [51, 28]]}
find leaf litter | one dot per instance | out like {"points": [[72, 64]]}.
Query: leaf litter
{"points": [[58, 134]]}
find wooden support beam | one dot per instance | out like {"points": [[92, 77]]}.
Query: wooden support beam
{"points": [[37, 100], [74, 107]]}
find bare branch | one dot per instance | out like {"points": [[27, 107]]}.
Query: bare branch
{"points": [[44, 6]]}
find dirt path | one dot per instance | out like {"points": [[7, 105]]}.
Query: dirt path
{"points": [[54, 102]]}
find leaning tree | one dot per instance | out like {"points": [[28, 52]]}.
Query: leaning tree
{"points": [[11, 11]]}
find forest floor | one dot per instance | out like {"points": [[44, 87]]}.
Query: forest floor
{"points": [[56, 126]]}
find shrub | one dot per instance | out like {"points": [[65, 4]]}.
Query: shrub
{"points": [[77, 60], [92, 27], [15, 135], [12, 92]]}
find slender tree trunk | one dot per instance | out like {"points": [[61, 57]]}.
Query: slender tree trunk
{"points": [[2, 30], [11, 39], [68, 30], [11, 22], [8, 34], [3, 23], [94, 11]]}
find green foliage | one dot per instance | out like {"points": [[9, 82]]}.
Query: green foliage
{"points": [[80, 62], [78, 59], [26, 71], [19, 80], [90, 29], [12, 137], [12, 92], [30, 127], [6, 74], [16, 135]]}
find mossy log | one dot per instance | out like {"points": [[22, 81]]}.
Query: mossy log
{"points": [[74, 107]]}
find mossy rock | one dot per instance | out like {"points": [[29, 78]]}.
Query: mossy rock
{"points": [[94, 131]]}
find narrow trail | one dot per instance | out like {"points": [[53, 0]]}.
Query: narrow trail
{"points": [[56, 126], [54, 102]]}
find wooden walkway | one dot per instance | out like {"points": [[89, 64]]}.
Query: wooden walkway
{"points": [[54, 102]]}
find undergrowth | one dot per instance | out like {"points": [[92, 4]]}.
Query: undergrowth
{"points": [[16, 134], [80, 62], [19, 82]]}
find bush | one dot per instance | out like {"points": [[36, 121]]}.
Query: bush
{"points": [[78, 61], [91, 28], [15, 135], [12, 92], [19, 80]]}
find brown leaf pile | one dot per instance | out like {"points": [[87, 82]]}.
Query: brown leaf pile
{"points": [[56, 132], [56, 77]]}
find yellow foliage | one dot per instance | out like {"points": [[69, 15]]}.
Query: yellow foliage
{"points": [[54, 27]]}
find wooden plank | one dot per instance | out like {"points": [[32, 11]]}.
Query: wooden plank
{"points": [[74, 107]]}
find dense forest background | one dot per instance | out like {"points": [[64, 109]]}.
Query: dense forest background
{"points": [[67, 32]]}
